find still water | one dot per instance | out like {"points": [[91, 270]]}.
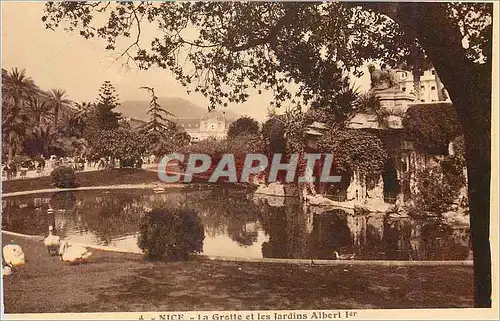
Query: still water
{"points": [[237, 224]]}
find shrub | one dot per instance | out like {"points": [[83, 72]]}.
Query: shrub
{"points": [[171, 233], [63, 177]]}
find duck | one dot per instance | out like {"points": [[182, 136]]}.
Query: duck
{"points": [[52, 242], [337, 256], [13, 255], [159, 189], [74, 254]]}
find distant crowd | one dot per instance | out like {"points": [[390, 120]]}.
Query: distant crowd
{"points": [[40, 166]]}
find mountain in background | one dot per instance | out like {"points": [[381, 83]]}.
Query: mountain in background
{"points": [[180, 107]]}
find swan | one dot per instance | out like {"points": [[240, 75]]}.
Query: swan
{"points": [[51, 242], [337, 256], [13, 255], [73, 253]]}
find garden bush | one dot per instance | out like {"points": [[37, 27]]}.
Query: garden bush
{"points": [[63, 177], [172, 233]]}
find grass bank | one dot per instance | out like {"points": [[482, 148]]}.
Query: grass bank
{"points": [[106, 177], [112, 282]]}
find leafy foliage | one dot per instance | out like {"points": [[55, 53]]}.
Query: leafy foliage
{"points": [[63, 177], [239, 147], [247, 45], [119, 143], [244, 125], [354, 150], [170, 232], [273, 134], [433, 127], [437, 190]]}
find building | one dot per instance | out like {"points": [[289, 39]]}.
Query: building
{"points": [[214, 125], [431, 87], [397, 182]]}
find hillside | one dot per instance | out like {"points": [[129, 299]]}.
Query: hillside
{"points": [[181, 108]]}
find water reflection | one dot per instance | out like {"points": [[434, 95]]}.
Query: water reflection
{"points": [[238, 224]]}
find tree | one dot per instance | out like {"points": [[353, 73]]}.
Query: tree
{"points": [[157, 122], [244, 125], [17, 87], [59, 103], [107, 118], [15, 129], [162, 134], [245, 45], [121, 143], [39, 109], [273, 133], [42, 140]]}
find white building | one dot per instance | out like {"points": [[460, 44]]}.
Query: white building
{"points": [[431, 87], [212, 125]]}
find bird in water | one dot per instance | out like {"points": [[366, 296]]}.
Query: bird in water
{"points": [[52, 242], [338, 256], [74, 254]]}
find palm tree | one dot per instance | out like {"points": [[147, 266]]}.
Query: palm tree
{"points": [[39, 109], [44, 137], [18, 87], [15, 129], [59, 103]]}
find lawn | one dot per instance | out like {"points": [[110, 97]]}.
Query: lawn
{"points": [[107, 177], [112, 282], [91, 178]]}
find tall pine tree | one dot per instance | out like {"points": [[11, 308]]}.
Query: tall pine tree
{"points": [[162, 134], [107, 118]]}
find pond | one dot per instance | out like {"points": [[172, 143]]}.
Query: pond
{"points": [[237, 224]]}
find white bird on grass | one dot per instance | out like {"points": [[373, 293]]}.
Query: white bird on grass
{"points": [[52, 242], [73, 253], [13, 256]]}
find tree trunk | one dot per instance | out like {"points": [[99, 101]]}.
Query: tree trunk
{"points": [[469, 87], [11, 153], [56, 115]]}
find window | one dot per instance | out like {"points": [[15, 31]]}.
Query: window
{"points": [[433, 100], [404, 88], [422, 100], [422, 87], [433, 87], [433, 72], [404, 74], [212, 127]]}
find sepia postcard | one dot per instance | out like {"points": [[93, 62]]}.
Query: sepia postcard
{"points": [[249, 160]]}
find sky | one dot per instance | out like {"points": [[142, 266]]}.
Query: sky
{"points": [[61, 59]]}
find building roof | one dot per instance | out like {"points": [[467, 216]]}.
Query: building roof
{"points": [[368, 121]]}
